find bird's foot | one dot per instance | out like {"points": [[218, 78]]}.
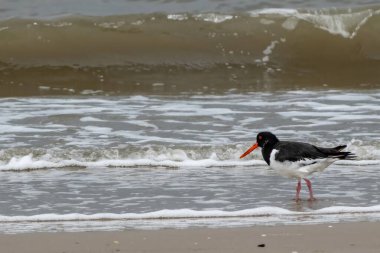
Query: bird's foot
{"points": [[312, 199], [297, 200]]}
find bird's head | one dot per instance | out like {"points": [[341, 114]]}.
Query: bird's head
{"points": [[262, 139]]}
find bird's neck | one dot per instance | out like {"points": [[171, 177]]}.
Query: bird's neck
{"points": [[267, 150]]}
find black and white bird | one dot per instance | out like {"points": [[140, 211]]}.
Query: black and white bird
{"points": [[296, 159]]}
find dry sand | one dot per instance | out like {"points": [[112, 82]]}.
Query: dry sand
{"points": [[346, 237]]}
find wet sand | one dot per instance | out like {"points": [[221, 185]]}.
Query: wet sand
{"points": [[344, 237]]}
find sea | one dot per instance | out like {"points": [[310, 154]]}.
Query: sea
{"points": [[132, 114]]}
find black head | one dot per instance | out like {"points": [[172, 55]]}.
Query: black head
{"points": [[265, 138]]}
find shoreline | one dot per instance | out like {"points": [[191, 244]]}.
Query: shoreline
{"points": [[336, 237]]}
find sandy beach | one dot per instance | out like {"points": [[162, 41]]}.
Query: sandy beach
{"points": [[343, 237]]}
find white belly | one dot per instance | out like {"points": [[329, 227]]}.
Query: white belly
{"points": [[299, 169]]}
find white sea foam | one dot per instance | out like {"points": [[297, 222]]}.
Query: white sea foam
{"points": [[356, 117], [98, 130], [176, 159], [189, 213], [290, 23], [273, 11], [27, 163], [345, 24], [358, 163], [221, 121], [90, 119], [267, 51], [162, 214], [24, 129], [91, 92], [347, 209], [348, 97], [179, 17], [213, 17], [143, 124], [265, 21]]}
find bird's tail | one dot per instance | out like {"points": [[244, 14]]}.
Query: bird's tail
{"points": [[336, 153], [340, 148], [344, 156]]}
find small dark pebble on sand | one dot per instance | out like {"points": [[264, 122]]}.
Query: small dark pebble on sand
{"points": [[261, 245]]}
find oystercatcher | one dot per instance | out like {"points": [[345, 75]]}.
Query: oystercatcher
{"points": [[296, 159]]}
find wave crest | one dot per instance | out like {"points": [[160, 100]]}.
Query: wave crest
{"points": [[209, 46], [189, 213], [155, 156]]}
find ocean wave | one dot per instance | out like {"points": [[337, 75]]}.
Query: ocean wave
{"points": [[262, 46], [191, 214], [28, 163], [193, 155], [177, 160]]}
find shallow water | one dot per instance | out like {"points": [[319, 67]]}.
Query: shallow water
{"points": [[137, 125], [97, 190], [112, 198], [125, 158]]}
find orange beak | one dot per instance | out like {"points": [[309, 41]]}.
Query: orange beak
{"points": [[249, 150]]}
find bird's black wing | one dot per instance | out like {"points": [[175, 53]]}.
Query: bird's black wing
{"points": [[297, 151], [336, 152]]}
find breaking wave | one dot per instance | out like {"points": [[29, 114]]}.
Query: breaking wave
{"points": [[192, 214], [20, 159], [116, 54]]}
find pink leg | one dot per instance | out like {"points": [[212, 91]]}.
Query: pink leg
{"points": [[298, 190], [308, 183]]}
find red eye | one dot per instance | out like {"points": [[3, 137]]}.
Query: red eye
{"points": [[260, 137]]}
